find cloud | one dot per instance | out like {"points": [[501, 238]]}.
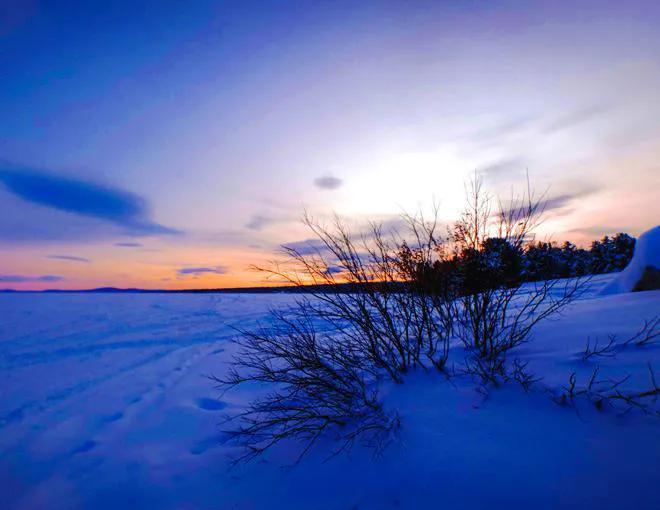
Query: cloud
{"points": [[196, 271], [129, 245], [513, 129], [599, 230], [504, 130], [387, 224], [307, 247], [312, 248], [559, 203], [259, 222], [82, 199], [68, 257], [574, 118], [15, 278], [362, 231], [504, 169], [328, 182]]}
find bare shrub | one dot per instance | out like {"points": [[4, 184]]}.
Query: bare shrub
{"points": [[321, 384], [522, 376], [360, 321], [377, 305], [374, 304], [495, 309]]}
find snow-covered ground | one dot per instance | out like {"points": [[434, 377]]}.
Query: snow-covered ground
{"points": [[104, 403]]}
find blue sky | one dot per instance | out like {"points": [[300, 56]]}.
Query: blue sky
{"points": [[172, 144]]}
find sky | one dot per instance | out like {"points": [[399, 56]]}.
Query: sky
{"points": [[173, 144]]}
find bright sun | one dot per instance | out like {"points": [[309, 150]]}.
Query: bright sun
{"points": [[392, 182]]}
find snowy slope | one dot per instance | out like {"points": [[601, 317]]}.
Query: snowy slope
{"points": [[104, 404]]}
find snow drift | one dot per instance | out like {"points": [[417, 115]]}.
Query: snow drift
{"points": [[647, 254]]}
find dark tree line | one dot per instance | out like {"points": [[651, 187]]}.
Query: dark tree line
{"points": [[547, 260], [497, 262]]}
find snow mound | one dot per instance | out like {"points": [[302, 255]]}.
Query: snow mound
{"points": [[647, 253]]}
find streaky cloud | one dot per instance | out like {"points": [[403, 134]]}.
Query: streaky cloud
{"points": [[599, 230], [71, 258], [496, 133], [258, 222], [82, 198], [504, 169], [75, 196], [307, 247], [196, 271], [15, 278], [573, 118], [557, 203], [363, 232]]}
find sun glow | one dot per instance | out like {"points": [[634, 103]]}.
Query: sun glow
{"points": [[392, 182]]}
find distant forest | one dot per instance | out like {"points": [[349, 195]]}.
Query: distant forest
{"points": [[497, 262]]}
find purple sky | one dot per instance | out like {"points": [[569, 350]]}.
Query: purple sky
{"points": [[171, 144]]}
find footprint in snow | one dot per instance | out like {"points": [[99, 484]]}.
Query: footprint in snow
{"points": [[85, 447], [210, 404], [208, 443], [109, 418]]}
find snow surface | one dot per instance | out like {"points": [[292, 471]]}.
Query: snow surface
{"points": [[647, 253], [104, 404]]}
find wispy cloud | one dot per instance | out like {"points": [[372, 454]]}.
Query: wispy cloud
{"points": [[359, 232], [599, 230], [560, 201], [15, 278], [129, 245], [71, 258], [503, 130], [573, 118], [559, 204], [196, 271], [328, 182], [259, 222], [307, 247], [82, 198], [504, 169]]}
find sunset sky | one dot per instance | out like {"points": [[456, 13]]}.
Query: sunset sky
{"points": [[171, 144]]}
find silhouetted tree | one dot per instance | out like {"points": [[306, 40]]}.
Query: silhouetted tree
{"points": [[611, 253]]}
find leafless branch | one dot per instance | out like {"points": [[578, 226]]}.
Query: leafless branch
{"points": [[646, 335], [594, 349], [609, 393]]}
